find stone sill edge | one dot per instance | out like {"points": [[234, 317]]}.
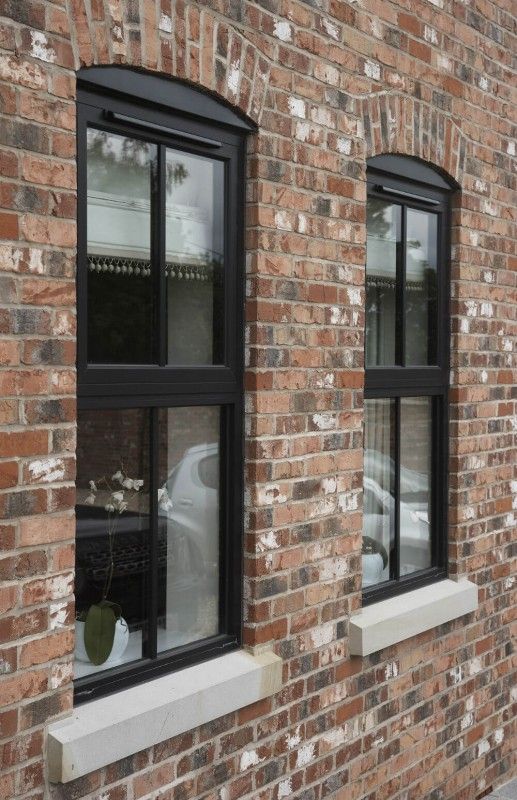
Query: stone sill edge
{"points": [[114, 727], [398, 618]]}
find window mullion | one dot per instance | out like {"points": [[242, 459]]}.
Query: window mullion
{"points": [[152, 644], [158, 254], [396, 560], [401, 293]]}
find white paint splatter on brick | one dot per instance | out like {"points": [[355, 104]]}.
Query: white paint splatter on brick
{"points": [[489, 208], [326, 381], [282, 30], [430, 34], [233, 77], [329, 485], [472, 308], [57, 613], [284, 788], [489, 276], [444, 63], [337, 315], [267, 541], [391, 670], [483, 747], [507, 345], [322, 635], [437, 3], [480, 186], [47, 470], [331, 29], [297, 107], [372, 70], [509, 582], [283, 221], [332, 569], [250, 758], [467, 721], [61, 674], [456, 674], [293, 741], [344, 146], [510, 149], [483, 83], [487, 310], [302, 131], [36, 261], [40, 48], [271, 494], [165, 23], [498, 735], [349, 501], [354, 296], [324, 421], [484, 376], [302, 223], [305, 755], [464, 325]]}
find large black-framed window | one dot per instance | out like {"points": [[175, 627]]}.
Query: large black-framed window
{"points": [[160, 387], [407, 341]]}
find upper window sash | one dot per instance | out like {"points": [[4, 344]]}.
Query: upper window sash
{"points": [[227, 162]]}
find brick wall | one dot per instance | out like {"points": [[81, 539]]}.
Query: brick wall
{"points": [[329, 83]]}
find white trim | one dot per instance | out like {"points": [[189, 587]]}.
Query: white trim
{"points": [[398, 618], [106, 730]]}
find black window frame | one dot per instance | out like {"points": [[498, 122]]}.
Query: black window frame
{"points": [[168, 113], [412, 184]]}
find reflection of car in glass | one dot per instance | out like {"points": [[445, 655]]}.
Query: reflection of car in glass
{"points": [[188, 539], [193, 492], [379, 520]]}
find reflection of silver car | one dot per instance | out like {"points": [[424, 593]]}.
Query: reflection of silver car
{"points": [[193, 511], [379, 521]]}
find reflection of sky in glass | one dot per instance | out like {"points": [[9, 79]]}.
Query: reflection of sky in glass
{"points": [[194, 228], [421, 243]]}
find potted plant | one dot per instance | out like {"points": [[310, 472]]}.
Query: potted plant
{"points": [[102, 634]]}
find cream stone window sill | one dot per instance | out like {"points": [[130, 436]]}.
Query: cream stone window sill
{"points": [[391, 621], [110, 728]]}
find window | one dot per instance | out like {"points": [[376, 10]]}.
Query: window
{"points": [[406, 382], [160, 319]]}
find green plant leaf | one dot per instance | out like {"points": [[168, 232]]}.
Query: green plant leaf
{"points": [[99, 632]]}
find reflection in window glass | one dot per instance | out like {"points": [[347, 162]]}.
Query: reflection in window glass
{"points": [[113, 527], [188, 600], [421, 287], [120, 286], [194, 258], [383, 240], [415, 483], [379, 490]]}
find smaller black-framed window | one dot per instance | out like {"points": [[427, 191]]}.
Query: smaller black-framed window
{"points": [[407, 341], [160, 378]]}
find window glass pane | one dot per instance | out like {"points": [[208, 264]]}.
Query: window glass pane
{"points": [[120, 286], [194, 259], [383, 242], [113, 528], [189, 454], [421, 289], [379, 490], [415, 483]]}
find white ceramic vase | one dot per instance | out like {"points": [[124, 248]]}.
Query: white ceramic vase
{"points": [[120, 642]]}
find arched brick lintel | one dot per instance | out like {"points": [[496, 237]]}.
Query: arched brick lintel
{"points": [[190, 45], [396, 123]]}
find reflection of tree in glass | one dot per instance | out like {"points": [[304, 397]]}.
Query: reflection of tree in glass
{"points": [[109, 155], [379, 221]]}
